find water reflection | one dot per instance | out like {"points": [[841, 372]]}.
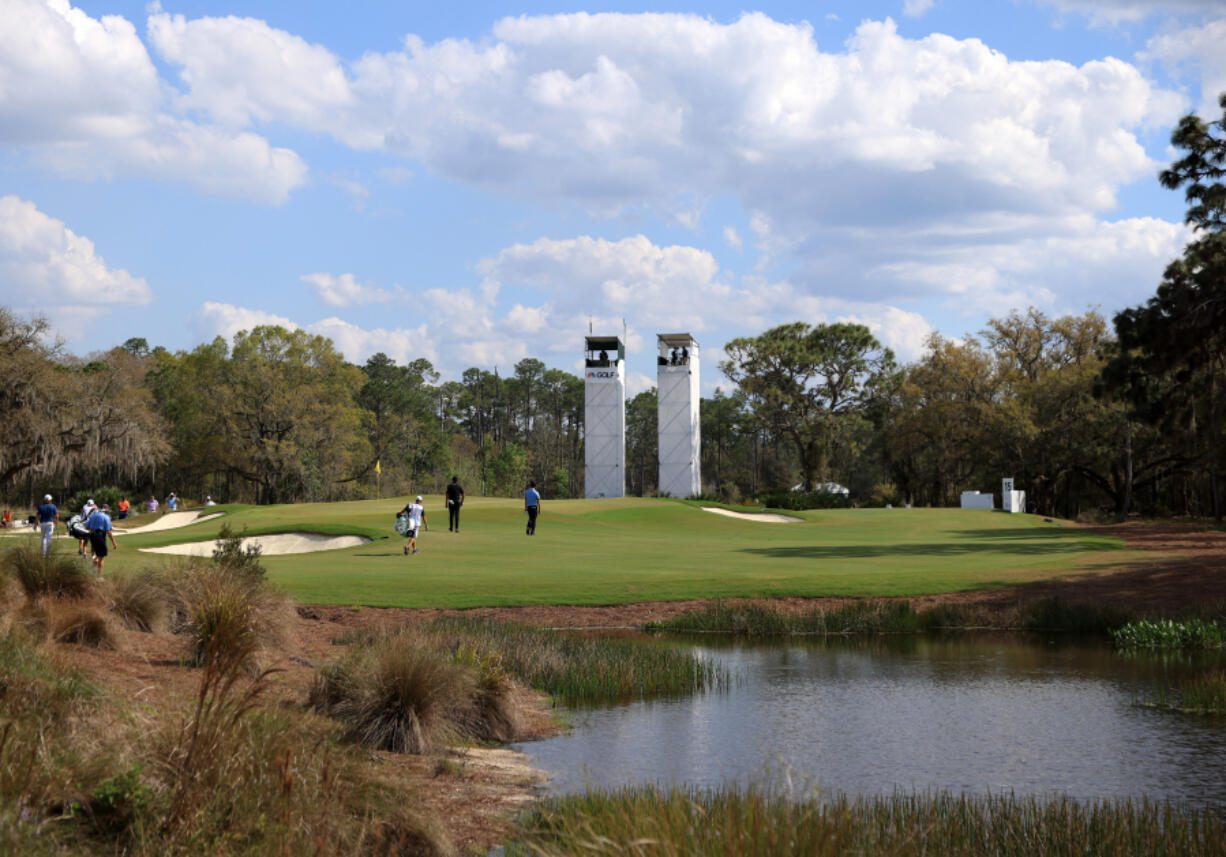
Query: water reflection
{"points": [[967, 713]]}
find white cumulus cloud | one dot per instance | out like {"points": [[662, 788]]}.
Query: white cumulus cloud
{"points": [[44, 264], [80, 95], [1200, 50], [345, 291]]}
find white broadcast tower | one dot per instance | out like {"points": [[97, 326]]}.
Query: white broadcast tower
{"points": [[604, 418], [680, 444]]}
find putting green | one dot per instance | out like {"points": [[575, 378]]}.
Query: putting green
{"points": [[618, 551]]}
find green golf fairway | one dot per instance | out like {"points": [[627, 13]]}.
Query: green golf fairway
{"points": [[627, 550]]}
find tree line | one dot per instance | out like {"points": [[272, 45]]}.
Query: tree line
{"points": [[1089, 418]]}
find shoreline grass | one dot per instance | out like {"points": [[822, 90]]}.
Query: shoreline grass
{"points": [[1201, 694], [671, 822], [579, 670], [892, 617]]}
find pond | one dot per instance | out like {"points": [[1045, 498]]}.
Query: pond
{"points": [[976, 714]]}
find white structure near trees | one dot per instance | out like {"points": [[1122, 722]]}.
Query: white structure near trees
{"points": [[977, 500], [604, 418], [679, 427], [1011, 500]]}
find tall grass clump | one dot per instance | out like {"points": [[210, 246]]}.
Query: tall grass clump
{"points": [[42, 705], [78, 623], [137, 600], [227, 776], [694, 822], [860, 617], [1202, 694], [579, 669], [57, 575], [210, 600], [1169, 634], [399, 693]]}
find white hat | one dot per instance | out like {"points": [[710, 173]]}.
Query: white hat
{"points": [[89, 502], [46, 498], [418, 498]]}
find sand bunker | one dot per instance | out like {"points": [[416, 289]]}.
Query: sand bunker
{"points": [[274, 545], [169, 521], [762, 517]]}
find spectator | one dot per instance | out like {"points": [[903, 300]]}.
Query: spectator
{"points": [[124, 508], [208, 500], [152, 504], [172, 502]]}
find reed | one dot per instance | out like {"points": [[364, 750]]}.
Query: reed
{"points": [[1055, 614], [860, 617], [891, 617], [1201, 694], [577, 669], [694, 822]]}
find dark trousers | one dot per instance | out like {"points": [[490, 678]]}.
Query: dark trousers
{"points": [[532, 510], [453, 516]]}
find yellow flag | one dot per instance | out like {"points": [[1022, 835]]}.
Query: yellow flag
{"points": [[378, 468]]}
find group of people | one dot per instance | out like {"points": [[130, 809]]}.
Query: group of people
{"points": [[412, 518], [92, 527]]}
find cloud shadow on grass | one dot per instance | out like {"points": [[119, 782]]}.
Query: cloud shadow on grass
{"points": [[1010, 541]]}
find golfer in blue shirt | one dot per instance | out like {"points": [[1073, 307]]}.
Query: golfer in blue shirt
{"points": [[532, 505], [47, 516], [99, 525]]}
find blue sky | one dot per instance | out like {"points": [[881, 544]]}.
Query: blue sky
{"points": [[477, 183]]}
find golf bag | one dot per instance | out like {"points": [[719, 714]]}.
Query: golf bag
{"points": [[77, 528], [402, 524]]}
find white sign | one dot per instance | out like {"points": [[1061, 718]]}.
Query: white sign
{"points": [[601, 376]]}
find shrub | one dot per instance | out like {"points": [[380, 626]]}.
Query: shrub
{"points": [[230, 553], [399, 694], [798, 500], [885, 493], [57, 575], [1169, 634], [107, 495]]}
